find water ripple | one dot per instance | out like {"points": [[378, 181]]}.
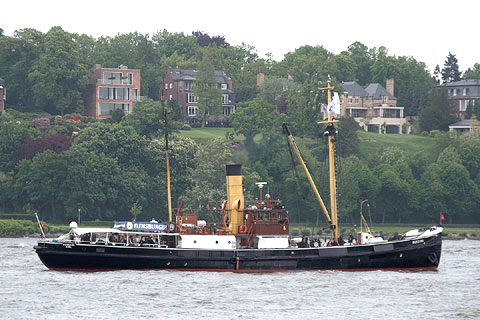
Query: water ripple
{"points": [[30, 291]]}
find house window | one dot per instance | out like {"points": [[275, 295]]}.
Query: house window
{"points": [[224, 86], [463, 105], [134, 94], [455, 92], [105, 93], [350, 100], [112, 77], [228, 110], [356, 100], [356, 113], [188, 85], [225, 99], [170, 97], [107, 108], [171, 85], [191, 98], [130, 78], [390, 113], [192, 111], [166, 85], [465, 91], [384, 99]]}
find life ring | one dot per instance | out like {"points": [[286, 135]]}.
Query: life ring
{"points": [[242, 229]]}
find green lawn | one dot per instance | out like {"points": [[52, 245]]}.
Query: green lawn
{"points": [[371, 143], [206, 134]]}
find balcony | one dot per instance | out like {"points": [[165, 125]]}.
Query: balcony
{"points": [[113, 81]]}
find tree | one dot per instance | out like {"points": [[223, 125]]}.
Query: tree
{"points": [[439, 113], [99, 185], [13, 135], [474, 72], [182, 152], [256, 116], [437, 74], [412, 79], [148, 118], [394, 193], [118, 115], [57, 143], [450, 71], [209, 95], [472, 111], [38, 183], [204, 40], [447, 187], [17, 56], [347, 140], [363, 58], [115, 140], [59, 78], [307, 64], [208, 174]]}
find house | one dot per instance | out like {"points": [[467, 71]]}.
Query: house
{"points": [[463, 93], [179, 85], [374, 108], [465, 126], [3, 94], [111, 89]]}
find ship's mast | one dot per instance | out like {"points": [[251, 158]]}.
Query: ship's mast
{"points": [[169, 192], [331, 166]]}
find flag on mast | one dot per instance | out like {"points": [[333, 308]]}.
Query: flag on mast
{"points": [[334, 105]]}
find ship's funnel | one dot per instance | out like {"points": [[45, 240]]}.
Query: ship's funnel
{"points": [[235, 199]]}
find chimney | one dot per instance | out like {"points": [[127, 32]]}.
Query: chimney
{"points": [[389, 86], [260, 78], [235, 197], [177, 69]]}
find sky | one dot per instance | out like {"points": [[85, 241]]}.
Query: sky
{"points": [[423, 29]]}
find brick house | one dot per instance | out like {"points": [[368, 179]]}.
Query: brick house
{"points": [[111, 89], [179, 84], [374, 108], [3, 95], [463, 93]]}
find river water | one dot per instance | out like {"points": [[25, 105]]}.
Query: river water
{"points": [[28, 290]]}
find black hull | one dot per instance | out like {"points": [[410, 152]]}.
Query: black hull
{"points": [[423, 254]]}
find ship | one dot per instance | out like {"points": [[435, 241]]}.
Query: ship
{"points": [[250, 236]]}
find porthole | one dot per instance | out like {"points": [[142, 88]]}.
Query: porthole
{"points": [[194, 241]]}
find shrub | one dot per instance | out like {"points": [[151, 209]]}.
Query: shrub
{"points": [[306, 232], [25, 228]]}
